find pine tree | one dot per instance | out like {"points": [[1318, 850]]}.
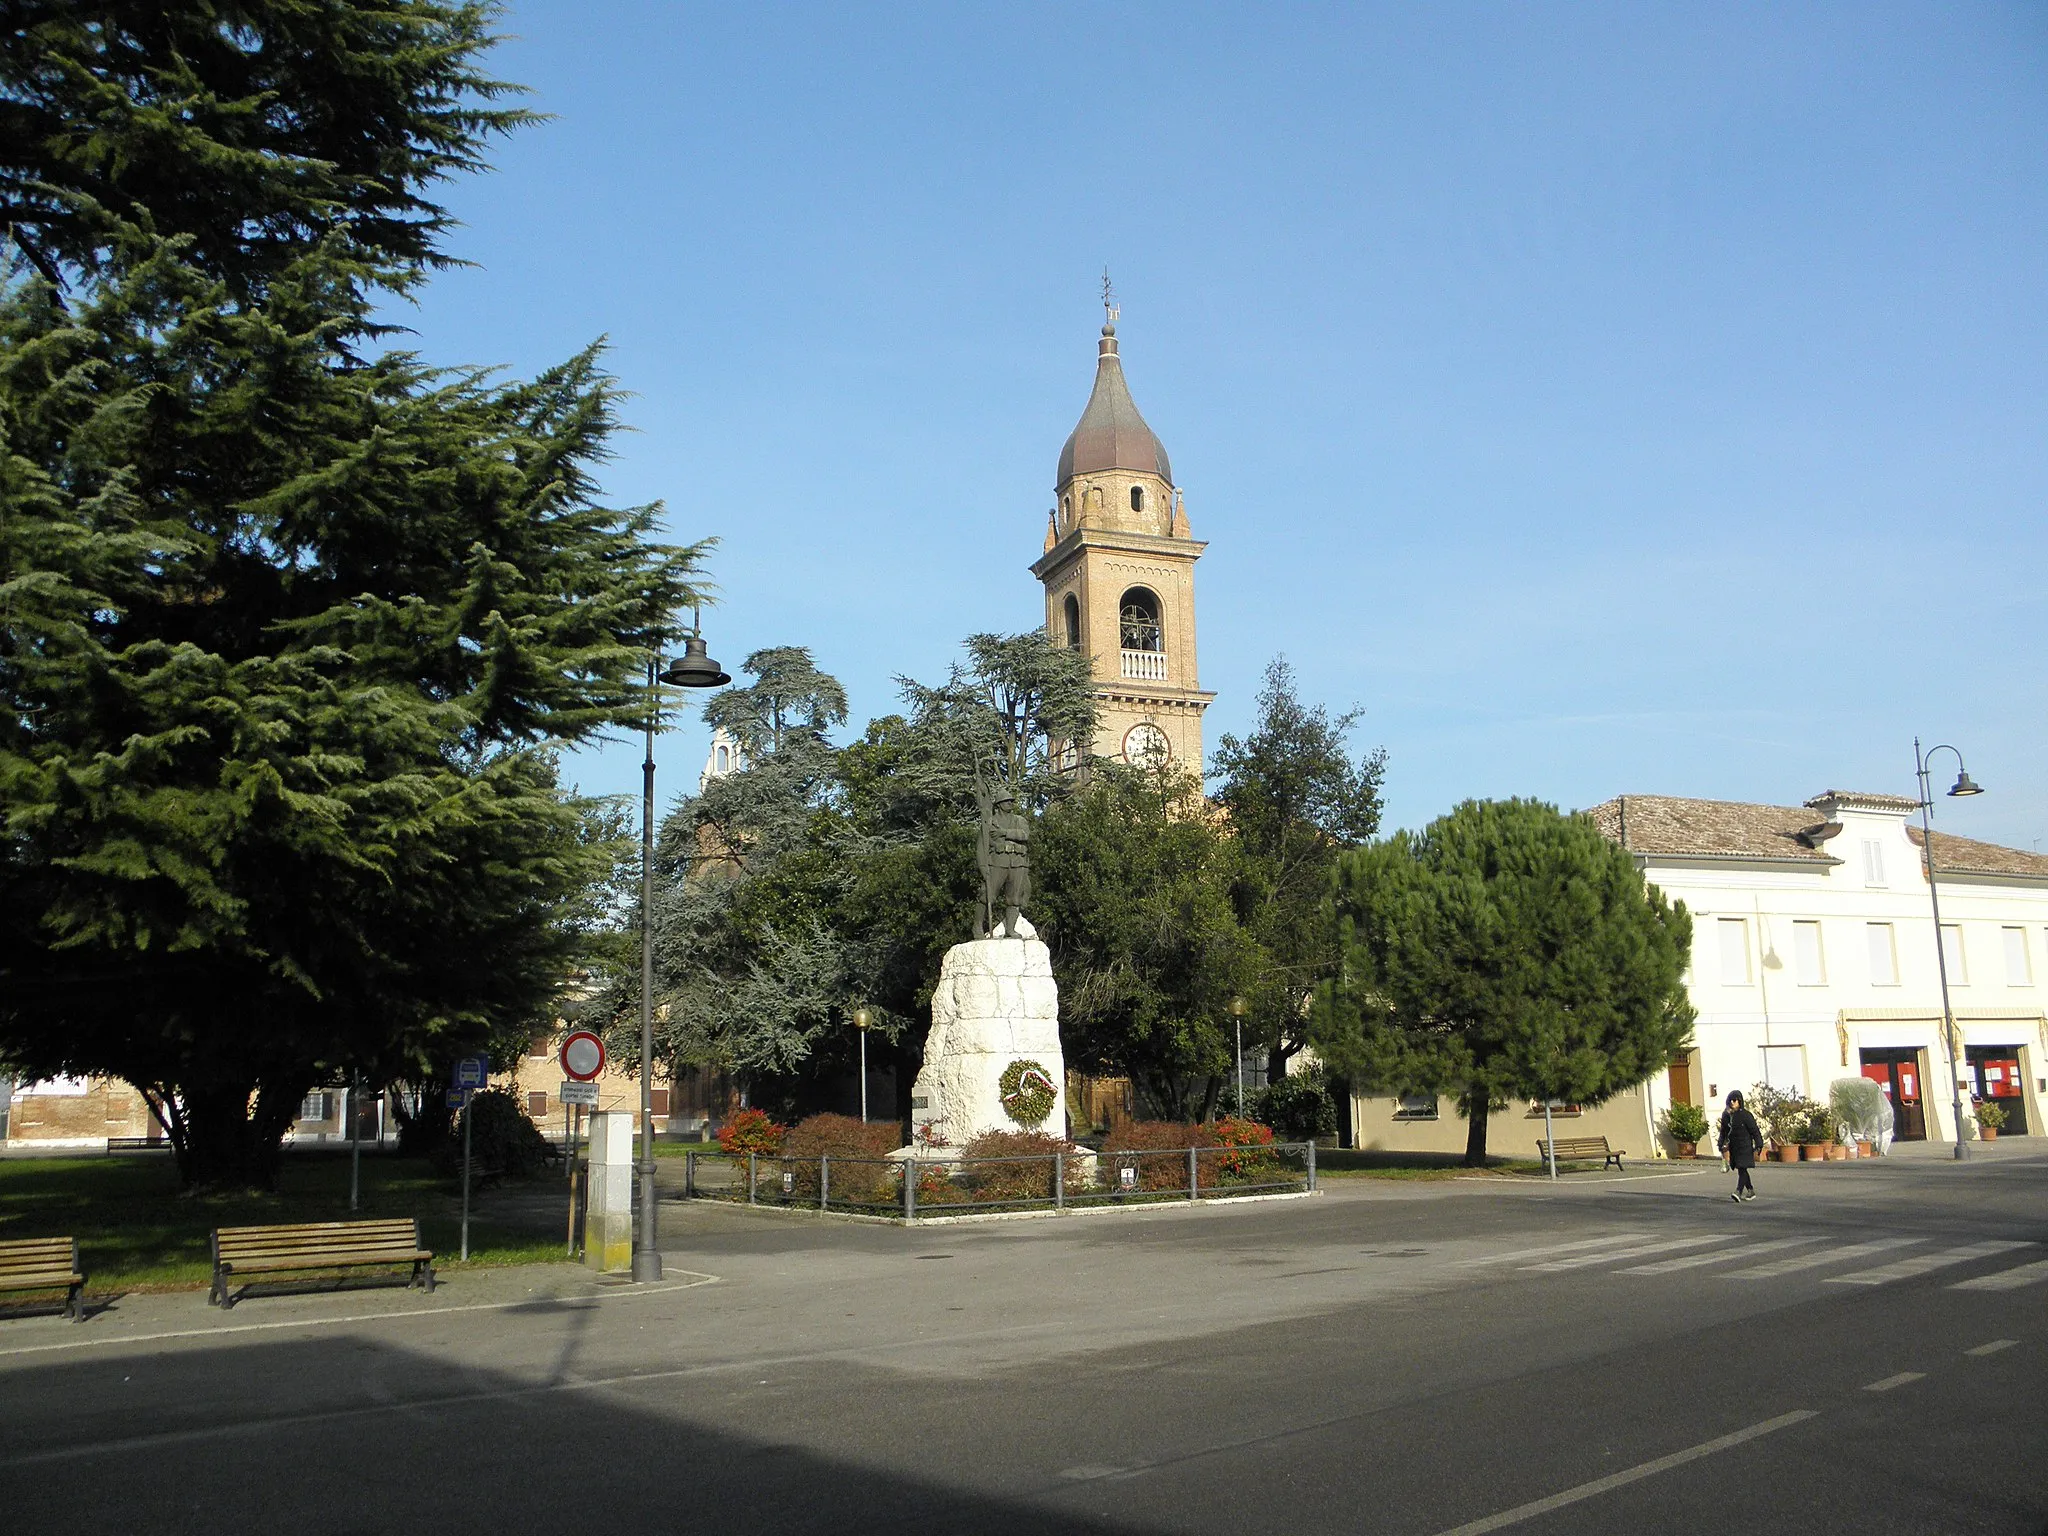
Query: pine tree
{"points": [[1509, 951], [289, 632]]}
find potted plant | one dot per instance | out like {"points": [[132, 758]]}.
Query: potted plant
{"points": [[1686, 1124], [1990, 1120]]}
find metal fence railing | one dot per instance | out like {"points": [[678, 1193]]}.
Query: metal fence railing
{"points": [[931, 1186]]}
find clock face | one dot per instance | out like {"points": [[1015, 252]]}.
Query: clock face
{"points": [[1146, 745]]}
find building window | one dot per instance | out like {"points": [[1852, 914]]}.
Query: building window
{"points": [[660, 1097], [721, 758], [316, 1107], [1137, 498], [1072, 608], [1952, 955], [538, 1045], [1734, 933], [1884, 959], [2019, 967], [1807, 955], [537, 1104], [1415, 1106], [1557, 1111], [1066, 508], [1138, 621], [1873, 862], [1785, 1067]]}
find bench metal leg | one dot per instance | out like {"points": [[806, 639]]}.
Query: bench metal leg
{"points": [[76, 1301], [427, 1274]]}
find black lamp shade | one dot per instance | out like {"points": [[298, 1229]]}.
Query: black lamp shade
{"points": [[694, 669], [1965, 785]]}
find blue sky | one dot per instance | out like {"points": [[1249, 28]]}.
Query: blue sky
{"points": [[1608, 398]]}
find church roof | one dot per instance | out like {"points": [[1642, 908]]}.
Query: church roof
{"points": [[1111, 433]]}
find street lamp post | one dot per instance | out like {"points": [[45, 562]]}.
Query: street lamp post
{"points": [[693, 669], [861, 1020], [1964, 786], [1237, 1025]]}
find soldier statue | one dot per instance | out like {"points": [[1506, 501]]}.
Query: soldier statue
{"points": [[1003, 850]]}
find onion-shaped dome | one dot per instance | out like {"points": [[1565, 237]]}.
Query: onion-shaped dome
{"points": [[1111, 433]]}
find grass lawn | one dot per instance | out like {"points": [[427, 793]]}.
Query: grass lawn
{"points": [[138, 1230], [1345, 1163]]}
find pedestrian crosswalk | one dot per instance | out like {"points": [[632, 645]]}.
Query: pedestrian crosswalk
{"points": [[1872, 1261]]}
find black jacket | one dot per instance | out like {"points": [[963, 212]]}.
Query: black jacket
{"points": [[1741, 1137]]}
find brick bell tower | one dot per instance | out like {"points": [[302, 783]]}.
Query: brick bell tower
{"points": [[1119, 574]]}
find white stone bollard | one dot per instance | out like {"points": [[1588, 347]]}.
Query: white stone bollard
{"points": [[608, 1212]]}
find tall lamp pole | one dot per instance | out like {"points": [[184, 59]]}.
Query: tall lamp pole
{"points": [[1237, 1027], [1964, 786], [861, 1019], [693, 669]]}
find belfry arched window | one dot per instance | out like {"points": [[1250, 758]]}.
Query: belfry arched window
{"points": [[1138, 621], [1137, 498], [1072, 608]]}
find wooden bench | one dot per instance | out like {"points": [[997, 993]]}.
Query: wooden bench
{"points": [[243, 1252], [44, 1264], [1580, 1149], [138, 1144]]}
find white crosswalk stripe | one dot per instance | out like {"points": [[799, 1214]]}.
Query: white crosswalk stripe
{"points": [[1922, 1263], [1799, 1261], [2006, 1279], [1720, 1256], [1641, 1251], [1555, 1248]]}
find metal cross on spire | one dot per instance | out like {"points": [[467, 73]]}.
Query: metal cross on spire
{"points": [[1110, 308]]}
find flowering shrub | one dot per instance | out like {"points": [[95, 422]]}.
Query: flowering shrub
{"points": [[856, 1148], [1018, 1181], [751, 1131], [1156, 1149], [1233, 1132]]}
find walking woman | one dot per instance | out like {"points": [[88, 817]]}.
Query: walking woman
{"points": [[1742, 1142]]}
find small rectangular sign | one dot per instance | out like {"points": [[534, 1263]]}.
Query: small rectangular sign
{"points": [[458, 1098], [578, 1093], [473, 1072]]}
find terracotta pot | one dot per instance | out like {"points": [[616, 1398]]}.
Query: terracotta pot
{"points": [[1812, 1152], [1837, 1153], [1785, 1154], [1987, 1133], [1688, 1149]]}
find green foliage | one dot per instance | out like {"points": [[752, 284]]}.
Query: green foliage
{"points": [[1135, 879], [502, 1136], [1686, 1123], [862, 1178], [1990, 1116], [1509, 951], [1294, 800], [1299, 1107], [289, 633], [249, 131], [1016, 698], [1780, 1112]]}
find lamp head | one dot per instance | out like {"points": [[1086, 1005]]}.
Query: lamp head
{"points": [[862, 1018], [1965, 785], [1237, 1008], [694, 669]]}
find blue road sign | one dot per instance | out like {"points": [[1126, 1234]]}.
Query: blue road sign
{"points": [[458, 1098], [473, 1072]]}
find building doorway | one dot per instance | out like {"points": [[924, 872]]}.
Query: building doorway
{"points": [[1994, 1076], [1898, 1072], [1678, 1079]]}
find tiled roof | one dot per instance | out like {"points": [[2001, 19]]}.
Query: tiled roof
{"points": [[1967, 856], [1710, 828], [1730, 829]]}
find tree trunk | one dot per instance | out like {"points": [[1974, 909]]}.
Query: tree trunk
{"points": [[230, 1136], [1475, 1131]]}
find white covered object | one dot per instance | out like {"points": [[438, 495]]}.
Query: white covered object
{"points": [[996, 1004]]}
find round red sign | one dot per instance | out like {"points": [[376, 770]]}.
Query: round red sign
{"points": [[582, 1055]]}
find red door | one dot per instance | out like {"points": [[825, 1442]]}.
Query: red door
{"points": [[1898, 1072]]}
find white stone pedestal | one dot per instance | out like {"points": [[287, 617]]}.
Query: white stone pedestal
{"points": [[996, 1004], [608, 1212]]}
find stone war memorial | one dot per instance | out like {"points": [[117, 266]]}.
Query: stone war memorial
{"points": [[992, 1061]]}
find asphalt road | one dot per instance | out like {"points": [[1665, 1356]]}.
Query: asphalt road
{"points": [[1863, 1349]]}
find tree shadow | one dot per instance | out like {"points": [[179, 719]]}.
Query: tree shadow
{"points": [[352, 1436]]}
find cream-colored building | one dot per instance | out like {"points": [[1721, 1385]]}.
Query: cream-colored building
{"points": [[1119, 575], [1814, 959]]}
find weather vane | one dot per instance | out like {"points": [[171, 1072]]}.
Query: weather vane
{"points": [[1110, 308]]}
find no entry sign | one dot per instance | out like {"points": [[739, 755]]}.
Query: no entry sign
{"points": [[582, 1055]]}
